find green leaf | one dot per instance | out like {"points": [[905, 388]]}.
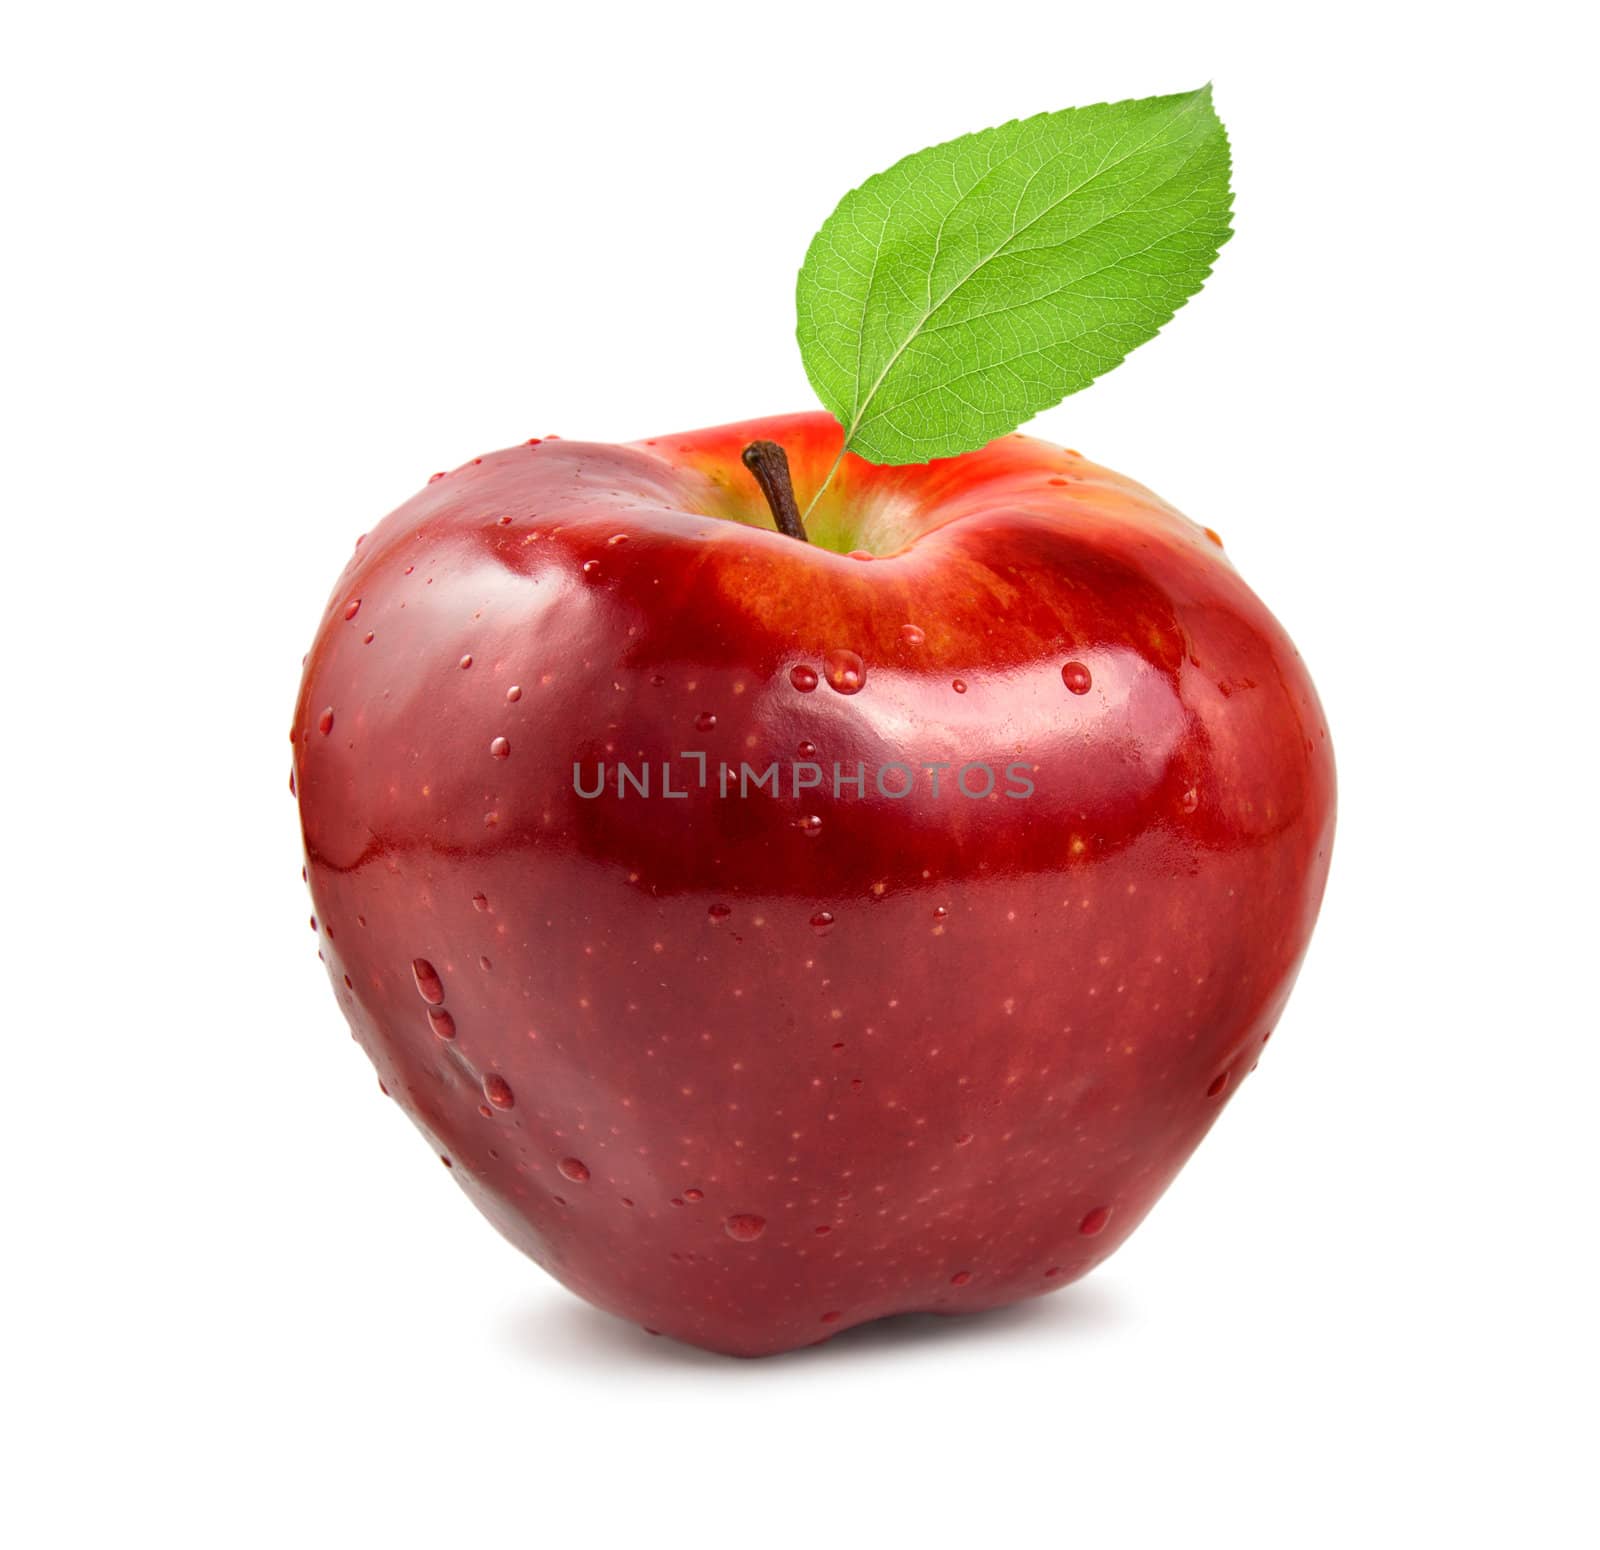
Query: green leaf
{"points": [[949, 299]]}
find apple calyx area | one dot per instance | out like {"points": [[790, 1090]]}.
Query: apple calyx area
{"points": [[769, 463]]}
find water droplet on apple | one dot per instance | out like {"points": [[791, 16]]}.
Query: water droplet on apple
{"points": [[845, 671], [429, 986], [513, 694], [617, 538], [572, 1168], [498, 1091], [706, 721], [480, 902], [859, 554], [806, 750], [822, 922], [1076, 677], [1094, 1221], [325, 721], [367, 639], [442, 1023], [465, 662], [961, 1277], [1215, 1090], [1189, 801], [718, 913], [959, 686], [803, 678], [964, 1139], [810, 825], [743, 1227], [591, 570], [352, 608], [500, 748], [1214, 536], [912, 634], [831, 1318]]}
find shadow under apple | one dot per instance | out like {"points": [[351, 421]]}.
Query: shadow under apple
{"points": [[573, 1334]]}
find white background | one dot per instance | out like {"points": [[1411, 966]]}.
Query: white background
{"points": [[269, 267]]}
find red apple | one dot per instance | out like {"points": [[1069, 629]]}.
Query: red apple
{"points": [[752, 1068]]}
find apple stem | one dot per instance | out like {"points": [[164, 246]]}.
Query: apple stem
{"points": [[770, 465]]}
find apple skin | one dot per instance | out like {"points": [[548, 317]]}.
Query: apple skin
{"points": [[672, 1081]]}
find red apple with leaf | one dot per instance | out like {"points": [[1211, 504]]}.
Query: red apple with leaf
{"points": [[779, 919]]}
